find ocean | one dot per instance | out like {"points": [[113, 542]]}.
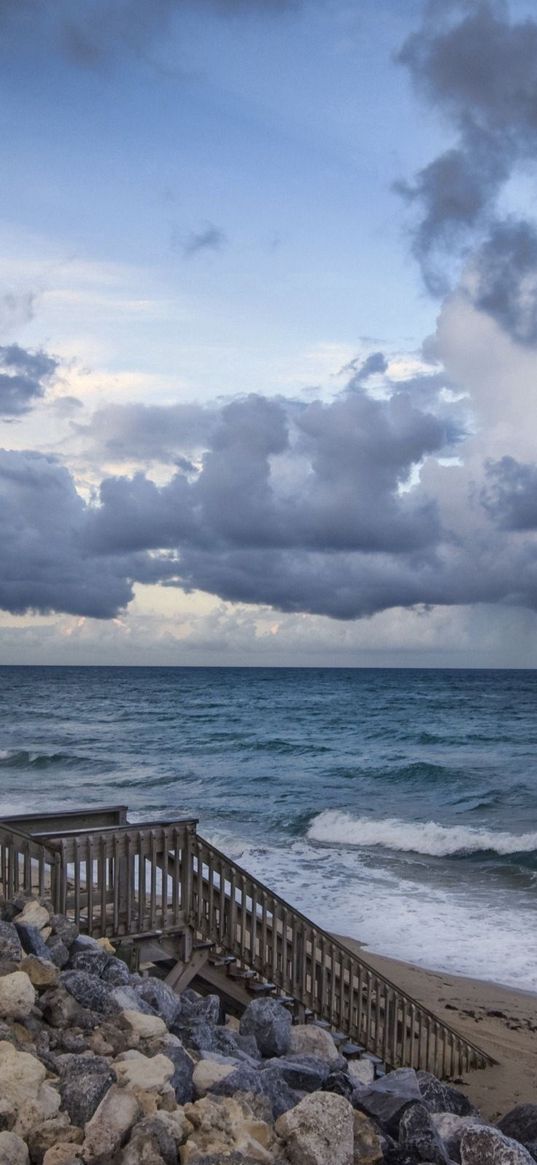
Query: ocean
{"points": [[395, 806]]}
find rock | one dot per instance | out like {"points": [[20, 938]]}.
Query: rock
{"points": [[63, 1154], [61, 1010], [520, 1123], [183, 1064], [84, 942], [385, 1099], [368, 1148], [52, 1132], [110, 1125], [450, 1128], [17, 996], [66, 930], [58, 952], [140, 1026], [304, 1073], [23, 1086], [361, 1072], [8, 1114], [148, 1074], [10, 944], [116, 972], [195, 1034], [89, 991], [90, 960], [318, 1131], [13, 1150], [151, 1143], [125, 998], [487, 1146], [340, 1083], [31, 940], [222, 1127], [84, 1081], [33, 914], [308, 1040], [160, 998], [207, 1074], [418, 1135], [270, 1024], [440, 1097], [231, 1043], [41, 972]]}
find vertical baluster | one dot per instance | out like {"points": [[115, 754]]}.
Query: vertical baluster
{"points": [[116, 868], [332, 982], [243, 918], [27, 869], [285, 976], [428, 1066], [102, 880], [344, 1020], [41, 872], [232, 925], [265, 954], [89, 881], [165, 843], [369, 990], [210, 901], [388, 1006], [76, 845], [275, 927], [420, 1059], [253, 928], [180, 859], [360, 1008], [129, 862], [395, 1055], [224, 903], [153, 883], [141, 881], [323, 1000]]}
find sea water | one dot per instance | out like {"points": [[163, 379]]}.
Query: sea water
{"points": [[395, 806]]}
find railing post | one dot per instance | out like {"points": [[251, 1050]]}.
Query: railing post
{"points": [[187, 881]]}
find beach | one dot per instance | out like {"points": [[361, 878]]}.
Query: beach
{"points": [[502, 1020]]}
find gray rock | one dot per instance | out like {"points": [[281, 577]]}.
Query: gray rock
{"points": [[231, 1043], [268, 1083], [31, 940], [160, 998], [532, 1149], [387, 1098], [150, 1142], [90, 960], [340, 1083], [208, 1008], [84, 1080], [418, 1135], [58, 952], [126, 998], [64, 928], [487, 1146], [270, 1024], [116, 972], [84, 942], [90, 992], [61, 1010], [302, 1073], [520, 1123], [10, 944], [195, 1034], [440, 1097], [450, 1128]]}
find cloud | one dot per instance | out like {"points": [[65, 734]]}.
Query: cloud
{"points": [[148, 433], [502, 279], [511, 493], [16, 309], [479, 68], [210, 238], [24, 378]]}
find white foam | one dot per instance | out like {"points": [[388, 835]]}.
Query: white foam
{"points": [[334, 826]]}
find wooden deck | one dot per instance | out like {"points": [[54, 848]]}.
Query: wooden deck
{"points": [[171, 900]]}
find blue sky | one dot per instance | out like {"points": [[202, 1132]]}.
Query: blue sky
{"points": [[198, 202]]}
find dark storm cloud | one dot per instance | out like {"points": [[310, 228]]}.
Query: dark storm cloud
{"points": [[210, 238], [504, 280], [511, 494], [138, 432], [479, 68], [24, 378]]}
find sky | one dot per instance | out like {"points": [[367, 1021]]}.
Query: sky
{"points": [[268, 332]]}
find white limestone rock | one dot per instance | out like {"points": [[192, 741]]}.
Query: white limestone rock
{"points": [[308, 1040], [13, 1150], [22, 1084], [17, 996], [207, 1073], [140, 1026], [319, 1130], [110, 1124], [144, 1073]]}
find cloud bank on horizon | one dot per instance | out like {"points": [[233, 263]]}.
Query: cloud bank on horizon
{"points": [[412, 485]]}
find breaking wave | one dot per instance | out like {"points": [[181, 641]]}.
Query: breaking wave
{"points": [[337, 827]]}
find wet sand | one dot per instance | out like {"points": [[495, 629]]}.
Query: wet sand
{"points": [[499, 1019]]}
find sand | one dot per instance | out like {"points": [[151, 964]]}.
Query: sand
{"points": [[510, 1035]]}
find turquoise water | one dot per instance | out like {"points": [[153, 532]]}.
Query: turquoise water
{"points": [[396, 806]]}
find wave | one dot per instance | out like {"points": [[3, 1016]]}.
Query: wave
{"points": [[21, 758], [340, 828]]}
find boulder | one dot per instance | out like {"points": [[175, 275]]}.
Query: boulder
{"points": [[89, 991], [304, 1073], [361, 1072], [386, 1099], [17, 996], [24, 1088], [417, 1134], [151, 1143], [440, 1097], [368, 1147], [66, 1153], [318, 1131], [52, 1132], [139, 1026], [487, 1146], [58, 952], [222, 1127], [42, 973], [270, 1024], [520, 1123], [84, 1081], [340, 1083], [196, 1034], [232, 1043], [10, 944], [309, 1040], [66, 930], [110, 1125], [116, 972], [160, 998], [450, 1128], [61, 1010], [33, 914], [31, 940], [143, 1073], [126, 998], [207, 1074], [13, 1150], [183, 1064], [90, 959]]}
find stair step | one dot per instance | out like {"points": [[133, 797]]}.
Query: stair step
{"points": [[287, 1000], [338, 1037], [206, 945], [222, 960], [240, 973], [350, 1050], [322, 1023], [261, 988], [380, 1070], [375, 1060]]}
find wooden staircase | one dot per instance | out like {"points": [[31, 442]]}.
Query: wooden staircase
{"points": [[177, 907]]}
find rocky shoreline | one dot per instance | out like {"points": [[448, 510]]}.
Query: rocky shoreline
{"points": [[100, 1066]]}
